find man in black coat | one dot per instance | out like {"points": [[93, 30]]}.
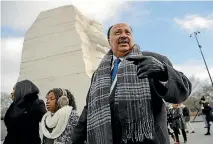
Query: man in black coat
{"points": [[207, 111], [165, 84], [202, 103]]}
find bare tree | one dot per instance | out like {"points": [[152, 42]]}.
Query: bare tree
{"points": [[5, 103]]}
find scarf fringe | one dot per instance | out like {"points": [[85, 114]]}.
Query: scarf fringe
{"points": [[137, 132], [143, 126]]}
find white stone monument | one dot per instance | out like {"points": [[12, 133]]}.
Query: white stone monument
{"points": [[62, 49]]}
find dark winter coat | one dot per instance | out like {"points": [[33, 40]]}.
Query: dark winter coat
{"points": [[22, 121], [169, 116], [178, 120], [208, 112], [186, 113], [177, 90]]}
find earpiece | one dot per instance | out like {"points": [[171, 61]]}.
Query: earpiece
{"points": [[63, 100]]}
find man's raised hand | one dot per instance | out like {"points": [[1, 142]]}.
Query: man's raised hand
{"points": [[149, 67]]}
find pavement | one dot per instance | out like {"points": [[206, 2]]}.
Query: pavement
{"points": [[196, 138]]}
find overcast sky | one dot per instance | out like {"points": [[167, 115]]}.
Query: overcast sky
{"points": [[163, 27]]}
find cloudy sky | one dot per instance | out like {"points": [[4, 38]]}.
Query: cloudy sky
{"points": [[162, 27]]}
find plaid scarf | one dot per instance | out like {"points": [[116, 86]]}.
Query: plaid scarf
{"points": [[132, 96]]}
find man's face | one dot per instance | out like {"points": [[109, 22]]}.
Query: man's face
{"points": [[121, 39]]}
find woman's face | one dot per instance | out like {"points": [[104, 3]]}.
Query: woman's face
{"points": [[51, 102], [175, 106], [13, 94]]}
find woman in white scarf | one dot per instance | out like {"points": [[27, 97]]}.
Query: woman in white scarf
{"points": [[57, 124]]}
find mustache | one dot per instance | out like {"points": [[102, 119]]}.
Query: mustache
{"points": [[123, 40]]}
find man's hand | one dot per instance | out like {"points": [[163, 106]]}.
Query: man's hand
{"points": [[150, 67]]}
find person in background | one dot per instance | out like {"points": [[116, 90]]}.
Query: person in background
{"points": [[202, 102], [24, 114], [207, 111], [178, 123], [125, 99], [186, 115], [57, 124], [169, 121]]}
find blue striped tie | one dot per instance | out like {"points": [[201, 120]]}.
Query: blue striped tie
{"points": [[115, 68]]}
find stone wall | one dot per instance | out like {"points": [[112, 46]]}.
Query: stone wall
{"points": [[62, 49]]}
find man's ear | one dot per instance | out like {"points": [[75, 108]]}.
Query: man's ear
{"points": [[109, 42]]}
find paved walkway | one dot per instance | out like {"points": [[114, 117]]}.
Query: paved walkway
{"points": [[196, 138]]}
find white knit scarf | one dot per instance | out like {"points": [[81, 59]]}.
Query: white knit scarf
{"points": [[58, 122]]}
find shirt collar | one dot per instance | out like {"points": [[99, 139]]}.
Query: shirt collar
{"points": [[114, 57]]}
